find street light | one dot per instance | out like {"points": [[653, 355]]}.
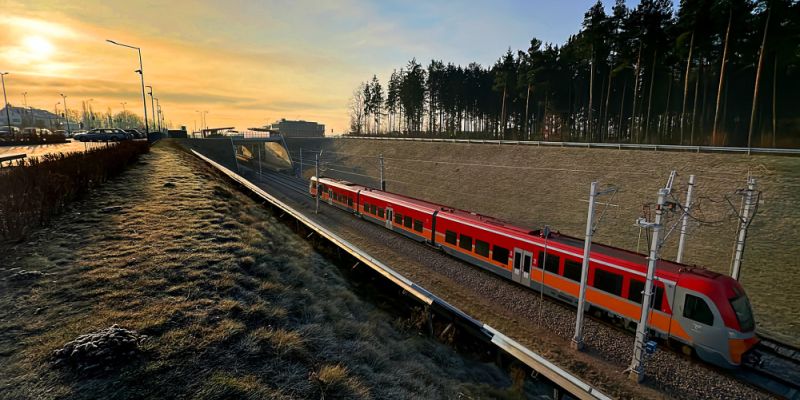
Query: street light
{"points": [[66, 114], [140, 71], [55, 108], [25, 99], [159, 115], [123, 106], [8, 115], [152, 106]]}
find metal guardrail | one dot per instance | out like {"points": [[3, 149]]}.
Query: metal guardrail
{"points": [[11, 158], [618, 146], [560, 377]]}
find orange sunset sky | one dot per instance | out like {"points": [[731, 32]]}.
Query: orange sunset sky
{"points": [[249, 63]]}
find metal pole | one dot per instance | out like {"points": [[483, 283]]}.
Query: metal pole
{"points": [[259, 160], [316, 160], [300, 174], [66, 114], [5, 99], [577, 340], [383, 182], [685, 219], [152, 106], [144, 99], [744, 223], [637, 364]]}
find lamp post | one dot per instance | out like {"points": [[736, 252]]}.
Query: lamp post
{"points": [[8, 115], [160, 125], [123, 106], [55, 108], [66, 114], [152, 106], [140, 71]]}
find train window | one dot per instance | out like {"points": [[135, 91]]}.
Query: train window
{"points": [[418, 225], [608, 282], [465, 242], [407, 221], [572, 270], [350, 202], [450, 237], [550, 262], [366, 207], [697, 309], [635, 290], [659, 297], [398, 219], [380, 212], [500, 254], [526, 265], [482, 247]]}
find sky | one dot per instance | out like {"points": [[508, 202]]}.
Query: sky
{"points": [[249, 63]]}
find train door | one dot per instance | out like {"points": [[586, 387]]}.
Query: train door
{"points": [[389, 217], [522, 266]]}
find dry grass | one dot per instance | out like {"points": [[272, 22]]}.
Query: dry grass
{"points": [[553, 184], [235, 304]]}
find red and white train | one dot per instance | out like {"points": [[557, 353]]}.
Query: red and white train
{"points": [[693, 308]]}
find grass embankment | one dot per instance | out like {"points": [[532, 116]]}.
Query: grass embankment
{"points": [[534, 186], [35, 189], [235, 305]]}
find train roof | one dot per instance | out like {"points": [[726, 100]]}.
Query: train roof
{"points": [[340, 184], [666, 268], [410, 202]]}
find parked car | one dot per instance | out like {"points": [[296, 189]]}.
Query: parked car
{"points": [[78, 132], [36, 133], [135, 133], [104, 135], [6, 135]]}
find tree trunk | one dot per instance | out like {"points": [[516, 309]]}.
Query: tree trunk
{"points": [[723, 64], [650, 97], [621, 111], [590, 129], [526, 135], [694, 105], [503, 113], [636, 93], [774, 98], [686, 84], [758, 80], [666, 130], [604, 115]]}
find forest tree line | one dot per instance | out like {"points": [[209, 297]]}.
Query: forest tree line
{"points": [[713, 72]]}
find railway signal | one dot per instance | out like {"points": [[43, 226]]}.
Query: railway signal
{"points": [[577, 339], [637, 363]]}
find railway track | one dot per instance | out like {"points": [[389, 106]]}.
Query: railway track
{"points": [[773, 367]]}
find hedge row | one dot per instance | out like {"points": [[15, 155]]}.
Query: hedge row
{"points": [[36, 189]]}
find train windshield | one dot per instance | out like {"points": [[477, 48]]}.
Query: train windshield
{"points": [[744, 313]]}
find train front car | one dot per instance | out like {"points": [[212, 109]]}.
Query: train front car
{"points": [[715, 314]]}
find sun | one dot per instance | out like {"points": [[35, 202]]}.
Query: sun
{"points": [[38, 47]]}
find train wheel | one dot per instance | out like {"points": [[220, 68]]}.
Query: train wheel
{"points": [[686, 350]]}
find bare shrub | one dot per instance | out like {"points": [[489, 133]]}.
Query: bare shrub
{"points": [[36, 189]]}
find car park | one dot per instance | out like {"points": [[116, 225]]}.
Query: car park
{"points": [[136, 134], [105, 135]]}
